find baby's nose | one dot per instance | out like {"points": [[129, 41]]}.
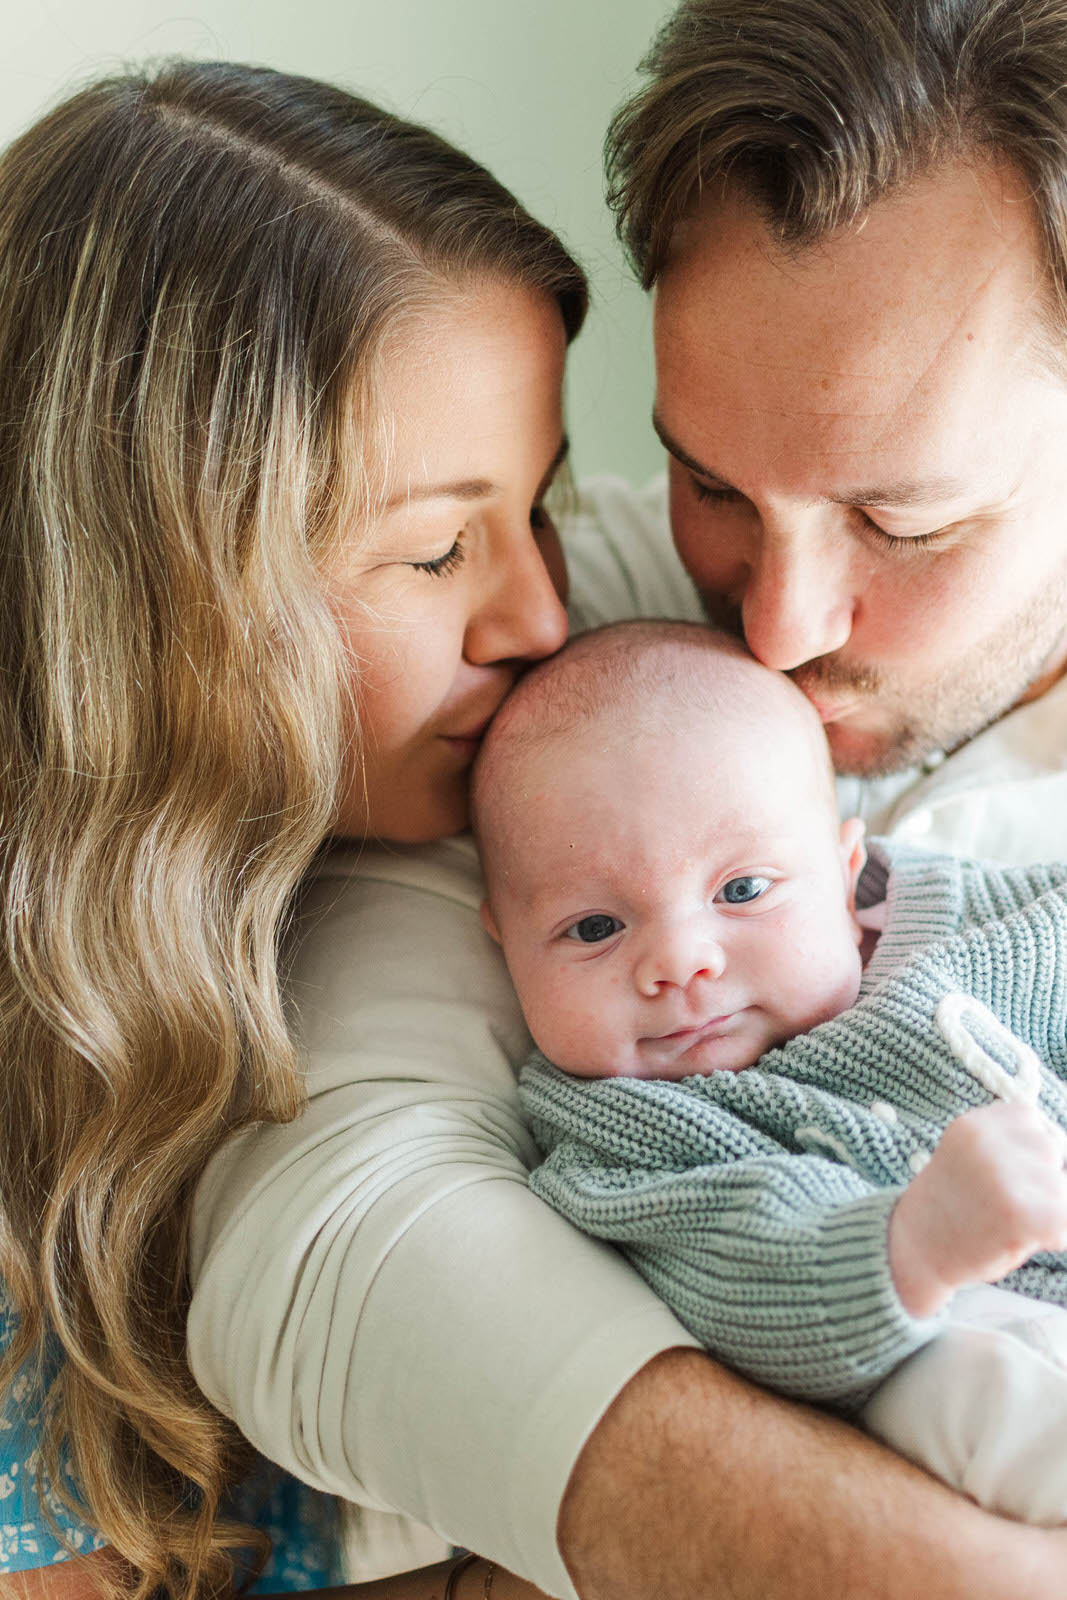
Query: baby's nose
{"points": [[679, 959]]}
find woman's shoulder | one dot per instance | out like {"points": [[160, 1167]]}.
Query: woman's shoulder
{"points": [[620, 555], [448, 869], [388, 952]]}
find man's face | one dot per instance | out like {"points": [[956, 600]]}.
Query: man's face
{"points": [[868, 472]]}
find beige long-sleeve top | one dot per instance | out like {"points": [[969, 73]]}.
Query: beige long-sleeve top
{"points": [[380, 1302]]}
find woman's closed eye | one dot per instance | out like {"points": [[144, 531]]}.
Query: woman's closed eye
{"points": [[595, 928], [742, 891], [441, 565]]}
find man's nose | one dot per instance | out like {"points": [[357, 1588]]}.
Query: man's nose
{"points": [[798, 602], [675, 958]]}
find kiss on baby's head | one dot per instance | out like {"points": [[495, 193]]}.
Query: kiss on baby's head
{"points": [[665, 867]]}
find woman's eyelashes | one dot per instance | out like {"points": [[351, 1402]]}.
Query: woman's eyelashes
{"points": [[595, 928], [440, 566]]}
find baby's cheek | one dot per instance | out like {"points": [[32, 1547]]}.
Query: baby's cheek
{"points": [[824, 982], [555, 1020], [584, 1018]]}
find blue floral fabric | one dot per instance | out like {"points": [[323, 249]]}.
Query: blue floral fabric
{"points": [[304, 1526]]}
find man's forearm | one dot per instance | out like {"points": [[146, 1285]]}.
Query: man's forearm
{"points": [[698, 1486]]}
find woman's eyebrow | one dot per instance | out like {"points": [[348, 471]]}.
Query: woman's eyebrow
{"points": [[462, 489], [469, 488]]}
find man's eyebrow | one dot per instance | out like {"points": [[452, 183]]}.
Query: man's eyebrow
{"points": [[469, 488], [920, 492], [673, 448], [554, 465]]}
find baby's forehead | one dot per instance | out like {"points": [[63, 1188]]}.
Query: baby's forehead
{"points": [[610, 799], [704, 709]]}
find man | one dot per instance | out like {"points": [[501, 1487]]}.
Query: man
{"points": [[857, 343], [852, 217]]}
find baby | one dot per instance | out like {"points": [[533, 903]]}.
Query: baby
{"points": [[676, 897]]}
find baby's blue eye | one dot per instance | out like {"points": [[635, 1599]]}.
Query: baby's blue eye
{"points": [[739, 891], [595, 929]]}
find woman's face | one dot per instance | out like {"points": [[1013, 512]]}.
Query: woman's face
{"points": [[457, 586]]}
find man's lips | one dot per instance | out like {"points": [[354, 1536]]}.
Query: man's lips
{"points": [[832, 710]]}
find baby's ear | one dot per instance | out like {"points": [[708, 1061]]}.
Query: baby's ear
{"points": [[853, 856], [485, 911]]}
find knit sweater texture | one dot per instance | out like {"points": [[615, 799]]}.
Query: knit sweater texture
{"points": [[757, 1203]]}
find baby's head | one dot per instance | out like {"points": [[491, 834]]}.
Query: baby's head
{"points": [[665, 866]]}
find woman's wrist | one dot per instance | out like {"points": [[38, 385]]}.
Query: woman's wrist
{"points": [[465, 1581], [476, 1578]]}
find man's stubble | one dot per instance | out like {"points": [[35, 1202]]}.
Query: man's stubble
{"points": [[908, 723]]}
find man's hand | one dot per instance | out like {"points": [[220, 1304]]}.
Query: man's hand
{"points": [[993, 1193]]}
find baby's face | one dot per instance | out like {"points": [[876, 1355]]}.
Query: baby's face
{"points": [[668, 907]]}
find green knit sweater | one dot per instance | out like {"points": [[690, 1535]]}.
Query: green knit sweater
{"points": [[757, 1203]]}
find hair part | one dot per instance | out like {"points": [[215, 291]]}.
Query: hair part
{"points": [[198, 269], [816, 109]]}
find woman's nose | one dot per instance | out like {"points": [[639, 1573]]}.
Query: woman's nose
{"points": [[676, 959], [521, 617], [797, 602]]}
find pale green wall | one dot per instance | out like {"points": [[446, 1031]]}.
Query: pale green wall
{"points": [[526, 85]]}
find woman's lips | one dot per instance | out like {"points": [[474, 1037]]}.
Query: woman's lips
{"points": [[467, 742]]}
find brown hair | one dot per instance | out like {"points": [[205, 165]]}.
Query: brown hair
{"points": [[816, 108], [197, 271]]}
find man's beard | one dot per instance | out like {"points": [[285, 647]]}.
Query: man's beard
{"points": [[910, 722]]}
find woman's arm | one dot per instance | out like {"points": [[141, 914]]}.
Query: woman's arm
{"points": [[471, 1578], [80, 1579], [381, 1302]]}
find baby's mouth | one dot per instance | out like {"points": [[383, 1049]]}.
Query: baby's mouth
{"points": [[706, 1029]]}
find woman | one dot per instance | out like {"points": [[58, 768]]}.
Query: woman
{"points": [[223, 293]]}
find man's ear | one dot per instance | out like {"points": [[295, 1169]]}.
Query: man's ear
{"points": [[485, 911], [853, 856]]}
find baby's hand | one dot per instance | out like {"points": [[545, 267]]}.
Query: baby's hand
{"points": [[993, 1192]]}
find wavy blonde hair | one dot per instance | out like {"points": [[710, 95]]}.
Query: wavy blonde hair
{"points": [[197, 269]]}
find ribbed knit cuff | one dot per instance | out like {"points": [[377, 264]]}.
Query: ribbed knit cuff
{"points": [[867, 1332], [924, 903]]}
